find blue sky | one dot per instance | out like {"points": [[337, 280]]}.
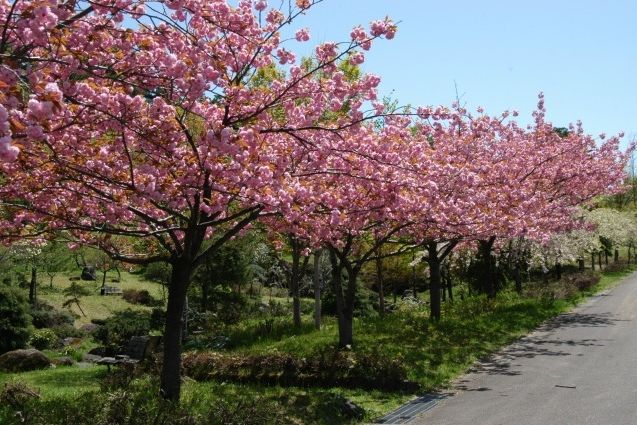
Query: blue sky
{"points": [[582, 54]]}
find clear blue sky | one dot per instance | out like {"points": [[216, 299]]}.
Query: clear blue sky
{"points": [[581, 53]]}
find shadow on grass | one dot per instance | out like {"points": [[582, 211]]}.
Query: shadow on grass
{"points": [[264, 331]]}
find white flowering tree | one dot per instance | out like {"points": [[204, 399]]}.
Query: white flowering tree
{"points": [[614, 228], [27, 252]]}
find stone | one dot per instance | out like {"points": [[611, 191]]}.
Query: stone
{"points": [[89, 328], [102, 352], [23, 360], [63, 361], [71, 341], [349, 409], [137, 346], [90, 358], [89, 273]]}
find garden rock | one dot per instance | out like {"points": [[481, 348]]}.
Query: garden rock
{"points": [[89, 328], [88, 273], [23, 360], [71, 341], [352, 410], [102, 352], [63, 361], [91, 358]]}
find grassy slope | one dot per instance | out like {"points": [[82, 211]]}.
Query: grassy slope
{"points": [[96, 306]]}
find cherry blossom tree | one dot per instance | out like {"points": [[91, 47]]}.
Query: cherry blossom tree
{"points": [[164, 122]]}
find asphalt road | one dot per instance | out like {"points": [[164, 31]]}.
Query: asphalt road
{"points": [[580, 369]]}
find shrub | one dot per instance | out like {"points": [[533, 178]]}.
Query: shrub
{"points": [[583, 281], [616, 266], [65, 331], [118, 329], [157, 318], [365, 303], [325, 368], [17, 397], [157, 272], [134, 403], [43, 339], [142, 297], [46, 316], [73, 353], [15, 320]]}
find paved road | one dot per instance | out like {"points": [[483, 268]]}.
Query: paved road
{"points": [[579, 369]]}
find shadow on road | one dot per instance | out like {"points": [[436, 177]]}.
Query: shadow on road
{"points": [[578, 320], [503, 363]]}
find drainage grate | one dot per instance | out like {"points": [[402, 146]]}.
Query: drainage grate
{"points": [[405, 413]]}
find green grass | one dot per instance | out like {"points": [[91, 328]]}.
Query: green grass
{"points": [[97, 306], [69, 381], [433, 353]]}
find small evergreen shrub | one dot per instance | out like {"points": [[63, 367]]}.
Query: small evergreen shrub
{"points": [[65, 331], [14, 319], [142, 297], [118, 329], [157, 272], [46, 316]]}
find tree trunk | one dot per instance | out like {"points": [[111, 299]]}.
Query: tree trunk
{"points": [[434, 280], [517, 276], [629, 252], [294, 284], [616, 259], [413, 277], [33, 286], [346, 335], [580, 264], [593, 261], [395, 286], [344, 302], [450, 286], [443, 284], [558, 271], [599, 256], [379, 281], [103, 282], [489, 275], [204, 295], [606, 257], [171, 370], [184, 320], [337, 287], [51, 281], [317, 289]]}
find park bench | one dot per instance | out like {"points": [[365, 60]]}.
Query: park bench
{"points": [[138, 348], [110, 290]]}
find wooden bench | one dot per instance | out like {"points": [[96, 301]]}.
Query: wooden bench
{"points": [[110, 290]]}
